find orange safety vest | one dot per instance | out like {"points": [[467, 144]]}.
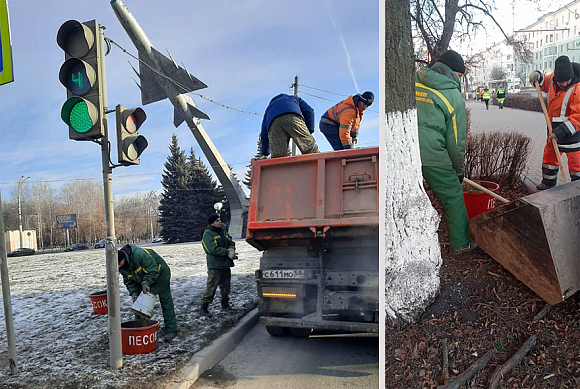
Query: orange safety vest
{"points": [[347, 115]]}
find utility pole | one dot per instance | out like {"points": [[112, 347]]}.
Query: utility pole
{"points": [[295, 94], [114, 306], [6, 297], [19, 182]]}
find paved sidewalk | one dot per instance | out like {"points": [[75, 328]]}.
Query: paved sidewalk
{"points": [[528, 123]]}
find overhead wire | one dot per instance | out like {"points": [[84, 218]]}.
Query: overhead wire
{"points": [[325, 91]]}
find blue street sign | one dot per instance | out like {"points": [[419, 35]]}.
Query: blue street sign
{"points": [[66, 221]]}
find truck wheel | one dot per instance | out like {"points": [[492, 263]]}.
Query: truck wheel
{"points": [[300, 332], [276, 331]]}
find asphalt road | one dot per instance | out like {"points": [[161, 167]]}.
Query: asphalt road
{"points": [[321, 361]]}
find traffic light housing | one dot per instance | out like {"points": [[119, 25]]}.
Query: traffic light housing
{"points": [[83, 76], [130, 144]]}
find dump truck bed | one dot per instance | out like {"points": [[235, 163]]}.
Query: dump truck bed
{"points": [[293, 196]]}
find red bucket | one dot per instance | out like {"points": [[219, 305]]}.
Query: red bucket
{"points": [[99, 301], [478, 202], [137, 339]]}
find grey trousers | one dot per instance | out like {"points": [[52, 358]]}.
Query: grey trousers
{"points": [[289, 126]]}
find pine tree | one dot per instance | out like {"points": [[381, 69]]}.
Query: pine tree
{"points": [[248, 176], [174, 206], [205, 193]]}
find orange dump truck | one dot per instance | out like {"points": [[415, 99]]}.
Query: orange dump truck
{"points": [[316, 219]]}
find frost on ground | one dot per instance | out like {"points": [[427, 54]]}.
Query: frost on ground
{"points": [[61, 343]]}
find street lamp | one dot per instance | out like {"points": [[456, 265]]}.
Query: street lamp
{"points": [[20, 181]]}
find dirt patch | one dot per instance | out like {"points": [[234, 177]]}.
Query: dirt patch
{"points": [[481, 306]]}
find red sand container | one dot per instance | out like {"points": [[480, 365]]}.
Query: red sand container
{"points": [[99, 301], [478, 202], [137, 339]]}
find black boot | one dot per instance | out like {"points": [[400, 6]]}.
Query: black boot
{"points": [[543, 186], [225, 305], [203, 312]]}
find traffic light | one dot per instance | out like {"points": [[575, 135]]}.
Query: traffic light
{"points": [[130, 144], [83, 75]]}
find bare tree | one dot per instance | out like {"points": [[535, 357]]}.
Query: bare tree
{"points": [[437, 22], [497, 73], [136, 215]]}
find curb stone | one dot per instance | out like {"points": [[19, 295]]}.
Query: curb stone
{"points": [[209, 356]]}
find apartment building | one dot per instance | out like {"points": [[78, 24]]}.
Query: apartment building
{"points": [[554, 34]]}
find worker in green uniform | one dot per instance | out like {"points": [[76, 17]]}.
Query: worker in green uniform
{"points": [[220, 253], [442, 131], [500, 95], [144, 270]]}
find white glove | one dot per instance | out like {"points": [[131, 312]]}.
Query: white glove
{"points": [[536, 76], [231, 253], [354, 141]]}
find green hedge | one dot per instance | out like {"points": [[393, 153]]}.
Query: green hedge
{"points": [[526, 101]]}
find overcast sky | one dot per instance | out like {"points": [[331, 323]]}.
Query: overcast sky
{"points": [[245, 51]]}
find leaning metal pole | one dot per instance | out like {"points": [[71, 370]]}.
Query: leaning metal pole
{"points": [[236, 197], [6, 296]]}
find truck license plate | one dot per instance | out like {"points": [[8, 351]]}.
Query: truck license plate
{"points": [[283, 273]]}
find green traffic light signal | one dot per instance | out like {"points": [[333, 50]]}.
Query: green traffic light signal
{"points": [[80, 114], [80, 120]]}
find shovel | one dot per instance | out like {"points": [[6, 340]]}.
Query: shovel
{"points": [[554, 143], [485, 190]]}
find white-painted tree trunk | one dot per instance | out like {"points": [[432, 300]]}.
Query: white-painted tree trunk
{"points": [[413, 255]]}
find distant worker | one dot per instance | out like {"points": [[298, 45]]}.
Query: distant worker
{"points": [[480, 94], [341, 122], [287, 117], [442, 131], [486, 96], [564, 113], [144, 270], [220, 253], [500, 95]]}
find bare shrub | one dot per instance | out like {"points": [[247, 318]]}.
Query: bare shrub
{"points": [[499, 157]]}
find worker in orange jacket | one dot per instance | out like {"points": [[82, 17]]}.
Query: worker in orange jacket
{"points": [[341, 122], [564, 113]]}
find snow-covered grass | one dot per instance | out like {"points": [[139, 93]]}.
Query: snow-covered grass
{"points": [[61, 343]]}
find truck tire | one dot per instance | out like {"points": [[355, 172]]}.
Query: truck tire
{"points": [[276, 331], [300, 332]]}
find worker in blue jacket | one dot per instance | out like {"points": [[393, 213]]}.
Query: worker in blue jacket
{"points": [[287, 117]]}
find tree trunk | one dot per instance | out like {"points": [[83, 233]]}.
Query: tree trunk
{"points": [[413, 256]]}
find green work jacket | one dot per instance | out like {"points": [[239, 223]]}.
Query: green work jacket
{"points": [[215, 243], [441, 117], [145, 265]]}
